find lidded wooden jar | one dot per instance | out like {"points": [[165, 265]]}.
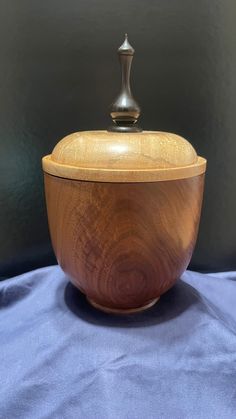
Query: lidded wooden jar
{"points": [[124, 206]]}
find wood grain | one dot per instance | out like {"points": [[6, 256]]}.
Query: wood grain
{"points": [[123, 244], [139, 150], [131, 157]]}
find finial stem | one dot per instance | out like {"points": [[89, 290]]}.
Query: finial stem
{"points": [[125, 110]]}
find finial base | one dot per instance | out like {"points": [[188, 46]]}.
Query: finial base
{"points": [[124, 128]]}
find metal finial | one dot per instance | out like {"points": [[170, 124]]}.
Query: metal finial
{"points": [[125, 110]]}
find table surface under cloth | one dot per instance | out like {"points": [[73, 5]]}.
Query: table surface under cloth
{"points": [[61, 358]]}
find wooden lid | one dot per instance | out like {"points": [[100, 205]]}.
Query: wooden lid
{"points": [[104, 156]]}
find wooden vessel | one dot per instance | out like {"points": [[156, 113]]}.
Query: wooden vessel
{"points": [[124, 207]]}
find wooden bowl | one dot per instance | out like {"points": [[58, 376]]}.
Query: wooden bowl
{"points": [[123, 213]]}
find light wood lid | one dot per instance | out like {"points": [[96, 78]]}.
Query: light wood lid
{"points": [[123, 157]]}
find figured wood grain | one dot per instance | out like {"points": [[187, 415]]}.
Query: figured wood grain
{"points": [[123, 244], [131, 157], [142, 150]]}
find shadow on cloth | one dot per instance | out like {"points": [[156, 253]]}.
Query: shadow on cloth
{"points": [[171, 304]]}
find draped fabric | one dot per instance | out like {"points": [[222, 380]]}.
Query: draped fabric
{"points": [[61, 358]]}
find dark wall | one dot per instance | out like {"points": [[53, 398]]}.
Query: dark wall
{"points": [[59, 73]]}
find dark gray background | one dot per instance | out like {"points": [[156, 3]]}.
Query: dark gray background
{"points": [[59, 73]]}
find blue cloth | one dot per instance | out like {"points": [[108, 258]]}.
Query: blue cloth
{"points": [[61, 358]]}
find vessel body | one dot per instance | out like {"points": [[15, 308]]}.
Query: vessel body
{"points": [[123, 244]]}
